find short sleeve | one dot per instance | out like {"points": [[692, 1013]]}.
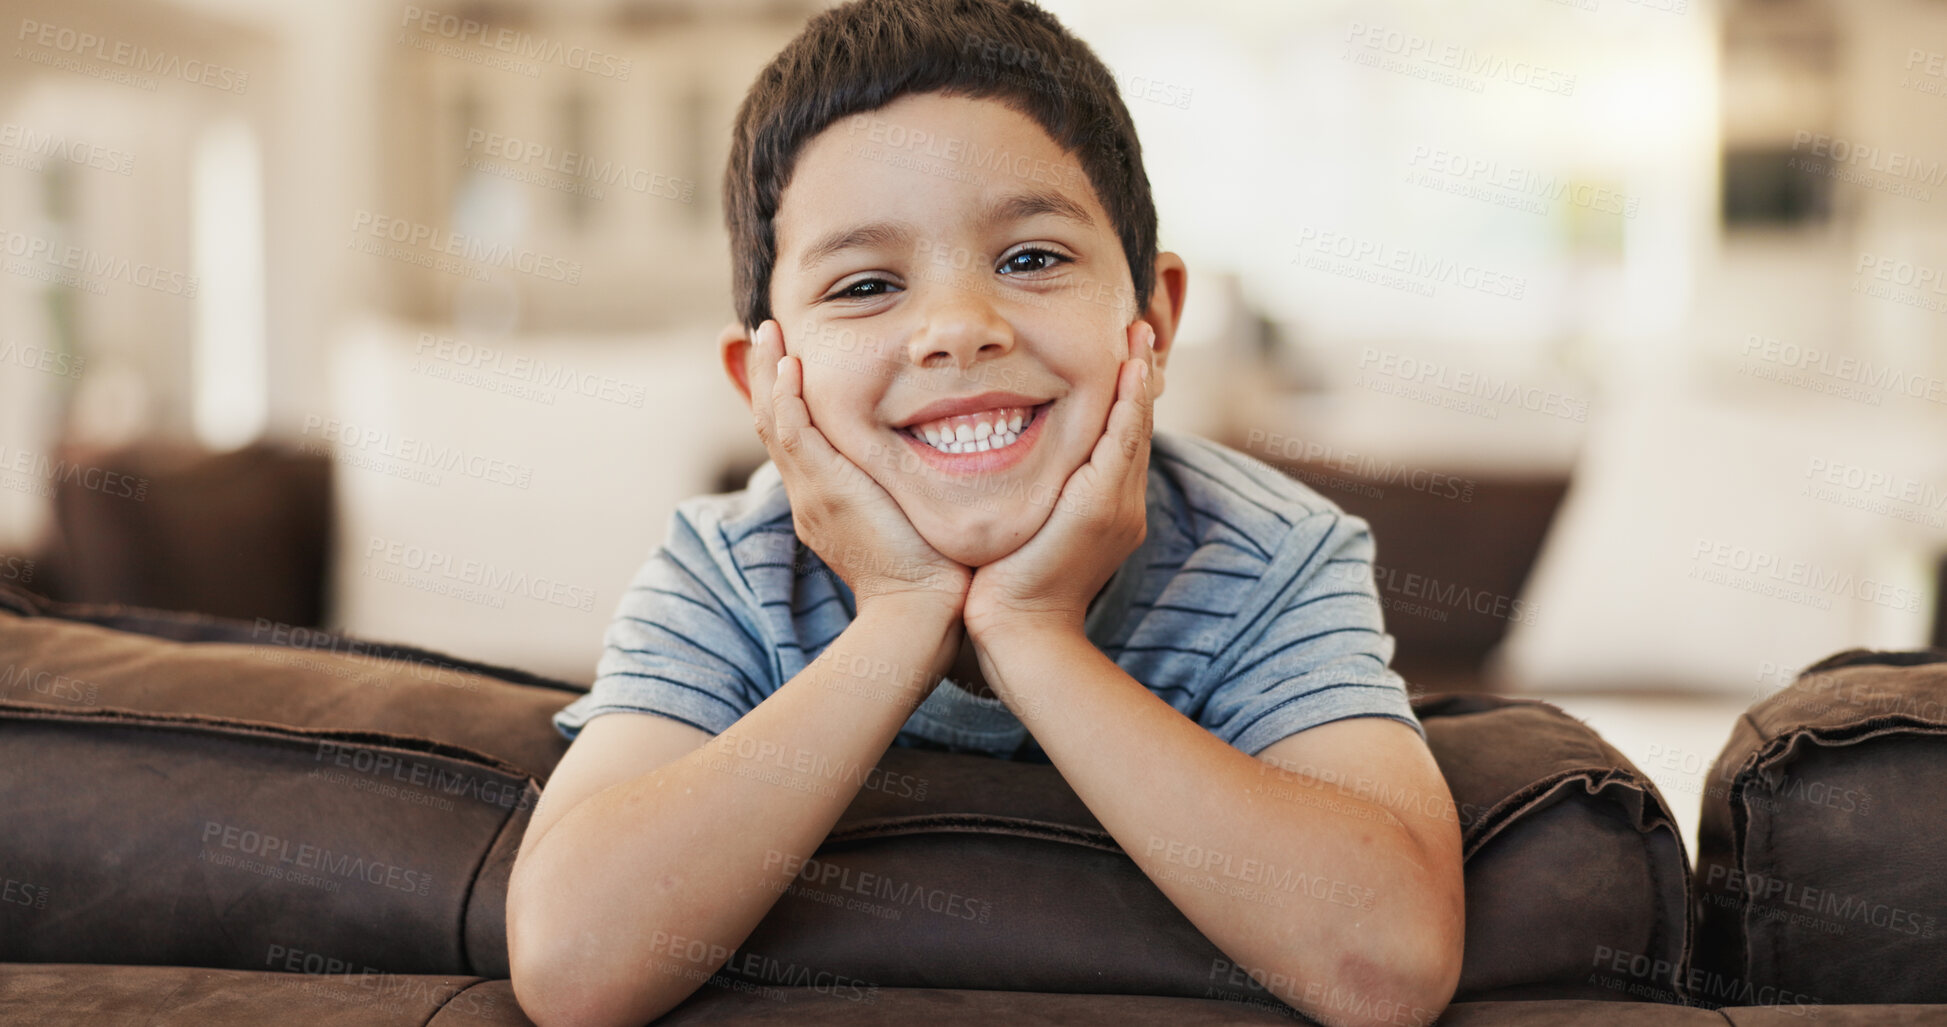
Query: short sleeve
{"points": [[1318, 650], [676, 646]]}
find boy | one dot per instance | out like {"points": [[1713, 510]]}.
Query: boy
{"points": [[944, 202]]}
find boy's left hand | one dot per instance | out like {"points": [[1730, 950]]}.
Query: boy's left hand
{"points": [[1099, 519]]}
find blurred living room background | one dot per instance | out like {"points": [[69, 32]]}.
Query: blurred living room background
{"points": [[1624, 322]]}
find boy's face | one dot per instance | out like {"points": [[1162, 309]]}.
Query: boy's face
{"points": [[945, 250]]}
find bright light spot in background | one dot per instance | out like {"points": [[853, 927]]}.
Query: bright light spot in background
{"points": [[227, 226]]}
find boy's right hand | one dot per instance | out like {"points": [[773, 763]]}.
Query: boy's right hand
{"points": [[837, 509]]}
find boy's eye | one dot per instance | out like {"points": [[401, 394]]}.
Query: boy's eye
{"points": [[863, 289], [1030, 260]]}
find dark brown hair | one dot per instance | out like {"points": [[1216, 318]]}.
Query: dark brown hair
{"points": [[862, 55]]}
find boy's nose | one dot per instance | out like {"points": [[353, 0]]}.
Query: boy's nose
{"points": [[959, 331]]}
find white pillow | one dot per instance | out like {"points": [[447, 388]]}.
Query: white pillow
{"points": [[1704, 546]]}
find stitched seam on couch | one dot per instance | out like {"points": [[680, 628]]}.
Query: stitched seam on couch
{"points": [[473, 881], [448, 1000], [1740, 835], [1651, 824], [1754, 830], [1659, 926], [1850, 733], [27, 604], [973, 823], [1595, 756], [1595, 780], [236, 727]]}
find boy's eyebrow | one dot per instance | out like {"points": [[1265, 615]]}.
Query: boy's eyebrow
{"points": [[1021, 206], [1017, 207], [877, 233]]}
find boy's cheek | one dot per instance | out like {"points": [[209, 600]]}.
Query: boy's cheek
{"points": [[824, 391], [1100, 401]]}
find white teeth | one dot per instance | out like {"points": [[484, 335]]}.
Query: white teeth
{"points": [[979, 437], [994, 440]]}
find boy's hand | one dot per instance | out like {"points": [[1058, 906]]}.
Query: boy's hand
{"points": [[1100, 518], [837, 509]]}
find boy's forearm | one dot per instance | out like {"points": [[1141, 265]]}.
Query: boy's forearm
{"points": [[640, 892], [1332, 898]]}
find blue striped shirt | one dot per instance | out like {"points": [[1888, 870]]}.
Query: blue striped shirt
{"points": [[1249, 607]]}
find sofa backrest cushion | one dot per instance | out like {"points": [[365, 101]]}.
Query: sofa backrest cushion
{"points": [[203, 841], [1820, 862], [964, 872], [84, 657], [946, 871]]}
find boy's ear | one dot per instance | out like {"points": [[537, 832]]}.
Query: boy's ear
{"points": [[734, 342], [1166, 305]]}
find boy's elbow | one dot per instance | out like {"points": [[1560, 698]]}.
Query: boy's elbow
{"points": [[551, 1005], [543, 1002], [562, 979], [544, 989], [1415, 979], [1403, 978], [558, 993], [1429, 950], [1379, 991], [1427, 983]]}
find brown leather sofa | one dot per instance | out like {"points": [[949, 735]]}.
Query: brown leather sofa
{"points": [[1822, 867], [220, 821]]}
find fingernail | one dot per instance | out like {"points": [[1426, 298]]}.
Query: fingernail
{"points": [[780, 364], [1142, 370]]}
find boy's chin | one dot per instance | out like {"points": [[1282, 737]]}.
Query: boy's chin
{"points": [[978, 538]]}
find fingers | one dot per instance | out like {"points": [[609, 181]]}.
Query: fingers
{"points": [[1146, 404], [1142, 342], [803, 455], [792, 416], [763, 379], [777, 400], [1123, 450], [777, 393]]}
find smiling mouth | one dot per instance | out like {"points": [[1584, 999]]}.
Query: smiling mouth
{"points": [[982, 433]]}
